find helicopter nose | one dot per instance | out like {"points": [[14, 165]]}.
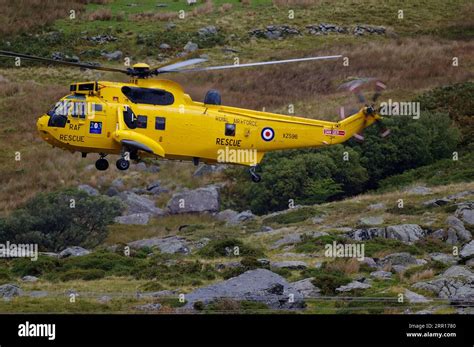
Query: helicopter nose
{"points": [[42, 125], [42, 122]]}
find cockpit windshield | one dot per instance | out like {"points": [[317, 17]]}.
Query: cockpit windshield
{"points": [[63, 109]]}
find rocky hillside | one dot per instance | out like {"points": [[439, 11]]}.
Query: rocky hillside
{"points": [[412, 251], [389, 231]]}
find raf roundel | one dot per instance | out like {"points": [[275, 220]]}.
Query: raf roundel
{"points": [[268, 134]]}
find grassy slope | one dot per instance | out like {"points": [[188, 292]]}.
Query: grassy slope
{"points": [[336, 215], [415, 61]]}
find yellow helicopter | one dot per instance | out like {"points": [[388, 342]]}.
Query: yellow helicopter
{"points": [[155, 117]]}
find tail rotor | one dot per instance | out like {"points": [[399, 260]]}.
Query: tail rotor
{"points": [[356, 87]]}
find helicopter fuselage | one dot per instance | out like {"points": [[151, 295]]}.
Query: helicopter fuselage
{"points": [[156, 117]]}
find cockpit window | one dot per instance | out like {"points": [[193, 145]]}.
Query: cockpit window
{"points": [[56, 119], [79, 109], [148, 96], [76, 96]]}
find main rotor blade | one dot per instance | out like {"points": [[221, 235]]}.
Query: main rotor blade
{"points": [[234, 66], [178, 65], [62, 62]]}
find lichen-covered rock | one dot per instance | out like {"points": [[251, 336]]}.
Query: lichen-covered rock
{"points": [[139, 204], [402, 258], [8, 291], [467, 251], [415, 298], [197, 200], [290, 264], [307, 288], [74, 251], [258, 285], [355, 285], [133, 219], [405, 232], [170, 245]]}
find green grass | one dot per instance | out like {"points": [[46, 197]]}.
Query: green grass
{"points": [[442, 172], [296, 216]]}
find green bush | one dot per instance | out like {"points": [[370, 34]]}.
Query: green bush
{"points": [[310, 244], [380, 244], [61, 219], [43, 265], [225, 247], [313, 176], [327, 281], [113, 264], [303, 176], [412, 143], [5, 275], [298, 215], [457, 101], [183, 273], [82, 274], [442, 172]]}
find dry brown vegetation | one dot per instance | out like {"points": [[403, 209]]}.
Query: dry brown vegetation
{"points": [[404, 64], [301, 3], [19, 16], [101, 14], [225, 7], [206, 8], [348, 266]]}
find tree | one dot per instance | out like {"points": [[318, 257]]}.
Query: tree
{"points": [[60, 219]]}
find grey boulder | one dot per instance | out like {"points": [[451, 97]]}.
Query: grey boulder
{"points": [[291, 265], [355, 285], [116, 55], [443, 258], [465, 212], [133, 219], [139, 204], [197, 200], [467, 250], [307, 288], [405, 232], [74, 251], [287, 240], [170, 245], [258, 285], [382, 275], [8, 291], [455, 284], [402, 258], [456, 227], [88, 189], [415, 298]]}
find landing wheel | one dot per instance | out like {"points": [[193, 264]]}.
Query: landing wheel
{"points": [[102, 164], [254, 176], [122, 164]]}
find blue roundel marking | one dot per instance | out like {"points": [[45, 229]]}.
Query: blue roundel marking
{"points": [[267, 134]]}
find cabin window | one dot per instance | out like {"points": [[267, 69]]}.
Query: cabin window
{"points": [[148, 96], [160, 123], [141, 121], [56, 118], [129, 118], [78, 109], [97, 107], [229, 129]]}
